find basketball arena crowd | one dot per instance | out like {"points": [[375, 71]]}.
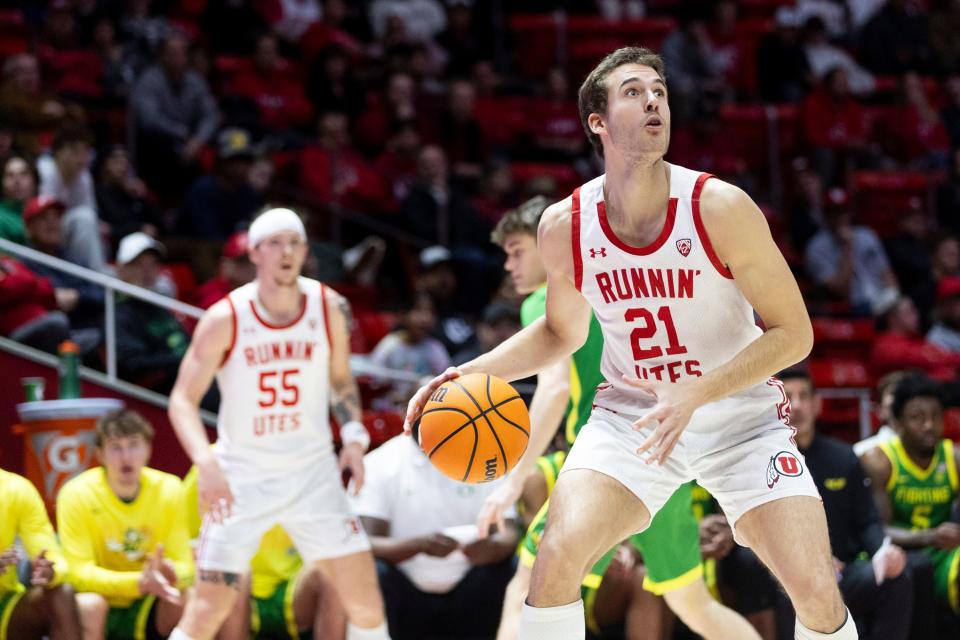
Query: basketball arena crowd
{"points": [[139, 137]]}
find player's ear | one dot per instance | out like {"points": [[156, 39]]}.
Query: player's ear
{"points": [[595, 122]]}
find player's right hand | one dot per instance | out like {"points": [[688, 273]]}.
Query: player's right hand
{"points": [[438, 545], [420, 398], [501, 499], [214, 491], [153, 582]]}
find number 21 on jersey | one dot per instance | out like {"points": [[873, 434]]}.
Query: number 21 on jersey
{"points": [[645, 327]]}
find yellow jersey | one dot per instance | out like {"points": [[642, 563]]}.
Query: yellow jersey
{"points": [[107, 541], [23, 514], [276, 560]]}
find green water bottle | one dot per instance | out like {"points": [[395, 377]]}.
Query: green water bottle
{"points": [[69, 386]]}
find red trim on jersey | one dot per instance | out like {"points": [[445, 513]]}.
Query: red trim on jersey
{"points": [[233, 338], [702, 231], [270, 325], [575, 240], [326, 318], [638, 251]]}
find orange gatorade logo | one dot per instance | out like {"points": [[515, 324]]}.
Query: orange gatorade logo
{"points": [[62, 457], [783, 463]]}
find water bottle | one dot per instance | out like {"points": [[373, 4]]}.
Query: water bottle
{"points": [[69, 386]]}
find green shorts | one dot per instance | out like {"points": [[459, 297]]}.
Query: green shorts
{"points": [[946, 566], [132, 622], [8, 602], [272, 618], [670, 546]]}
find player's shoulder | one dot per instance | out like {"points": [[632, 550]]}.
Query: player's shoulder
{"points": [[554, 237], [82, 486], [13, 484], [720, 198], [876, 461], [160, 479], [557, 215]]}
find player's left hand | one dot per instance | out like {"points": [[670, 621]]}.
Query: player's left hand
{"points": [[889, 561], [485, 551], [675, 405], [351, 457], [42, 570]]}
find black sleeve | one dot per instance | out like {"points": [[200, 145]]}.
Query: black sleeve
{"points": [[135, 353], [867, 520]]}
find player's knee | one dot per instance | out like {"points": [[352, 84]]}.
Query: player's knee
{"points": [[811, 589], [93, 608], [61, 600], [692, 605]]}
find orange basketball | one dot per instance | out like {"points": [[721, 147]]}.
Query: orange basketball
{"points": [[475, 428]]}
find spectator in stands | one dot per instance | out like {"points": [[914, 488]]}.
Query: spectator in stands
{"points": [[336, 175], [274, 87], [398, 162], [877, 590], [332, 85], [235, 270], [900, 345], [458, 132], [555, 120], [437, 211], [946, 332], [122, 199], [912, 131], [261, 175], [944, 25], [437, 578], [32, 110], [120, 62], [150, 340], [896, 39], [296, 17], [220, 203], [411, 348], [885, 390], [497, 192], [835, 126], [914, 490], [498, 322], [824, 57], [65, 175], [173, 115], [143, 28], [397, 104], [910, 257], [948, 196], [29, 307], [946, 257], [806, 215], [951, 111], [438, 280], [80, 299], [848, 261], [19, 185], [461, 40], [45, 607], [783, 73], [122, 529], [696, 80]]}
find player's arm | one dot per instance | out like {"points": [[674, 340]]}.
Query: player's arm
{"points": [[211, 340], [742, 241], [878, 468], [395, 550], [345, 396], [36, 532], [549, 339]]}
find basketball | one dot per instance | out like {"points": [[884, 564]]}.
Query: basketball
{"points": [[475, 428]]}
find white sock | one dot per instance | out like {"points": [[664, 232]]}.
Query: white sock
{"points": [[846, 632], [176, 634], [552, 623], [375, 633]]}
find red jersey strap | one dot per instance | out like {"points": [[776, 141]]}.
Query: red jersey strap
{"points": [[326, 318], [702, 231], [233, 336], [575, 240]]}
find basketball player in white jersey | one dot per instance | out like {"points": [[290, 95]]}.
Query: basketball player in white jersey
{"points": [[673, 264], [279, 348]]}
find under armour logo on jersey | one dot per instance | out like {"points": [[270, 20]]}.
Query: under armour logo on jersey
{"points": [[602, 252], [684, 246], [313, 324]]}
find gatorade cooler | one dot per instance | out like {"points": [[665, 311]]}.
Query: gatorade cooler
{"points": [[60, 440]]}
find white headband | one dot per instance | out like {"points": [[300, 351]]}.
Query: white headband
{"points": [[274, 221]]}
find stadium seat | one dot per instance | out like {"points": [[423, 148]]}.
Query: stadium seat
{"points": [[566, 177], [840, 338], [535, 37], [881, 197], [951, 424], [840, 373]]}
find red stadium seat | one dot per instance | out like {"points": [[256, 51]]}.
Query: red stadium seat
{"points": [[840, 373], [566, 177], [840, 338], [951, 424], [881, 197], [382, 425], [535, 37], [183, 278]]}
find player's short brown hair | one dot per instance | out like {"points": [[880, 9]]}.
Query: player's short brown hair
{"points": [[122, 423], [592, 97], [523, 219]]}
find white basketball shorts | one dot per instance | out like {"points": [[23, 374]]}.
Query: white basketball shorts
{"points": [[742, 468], [310, 504]]}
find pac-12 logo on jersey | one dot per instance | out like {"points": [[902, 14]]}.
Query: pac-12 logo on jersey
{"points": [[684, 245], [783, 463]]}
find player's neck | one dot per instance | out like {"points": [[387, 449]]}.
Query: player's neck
{"points": [[634, 190], [125, 492], [280, 302], [920, 458]]}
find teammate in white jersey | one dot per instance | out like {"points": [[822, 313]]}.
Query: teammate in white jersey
{"points": [[279, 347], [673, 264]]}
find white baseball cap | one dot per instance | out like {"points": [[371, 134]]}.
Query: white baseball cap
{"points": [[136, 243]]}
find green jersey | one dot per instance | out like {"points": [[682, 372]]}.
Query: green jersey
{"points": [[921, 498], [585, 373]]}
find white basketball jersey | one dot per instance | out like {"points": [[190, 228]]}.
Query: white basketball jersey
{"points": [[669, 311], [274, 387]]}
